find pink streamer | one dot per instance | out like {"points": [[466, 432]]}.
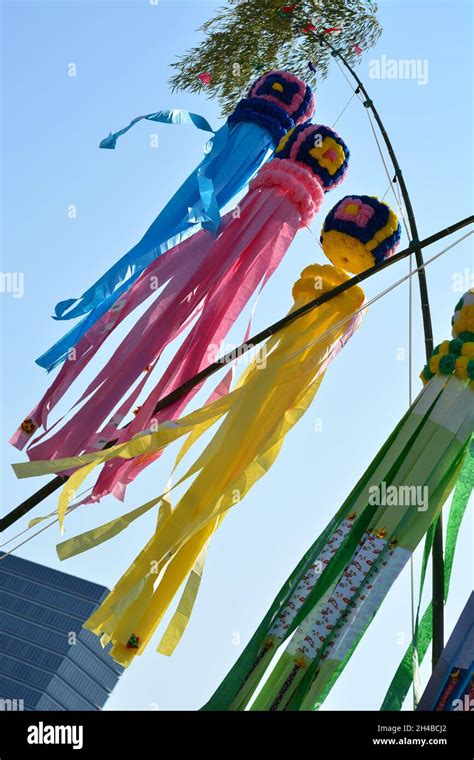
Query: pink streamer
{"points": [[183, 268], [209, 278], [175, 264], [222, 274], [201, 346]]}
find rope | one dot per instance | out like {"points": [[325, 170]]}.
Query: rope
{"points": [[386, 191], [345, 107], [392, 184], [315, 237], [410, 400]]}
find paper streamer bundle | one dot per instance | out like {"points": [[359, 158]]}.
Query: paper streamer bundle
{"points": [[276, 102], [216, 284], [271, 396], [326, 605]]}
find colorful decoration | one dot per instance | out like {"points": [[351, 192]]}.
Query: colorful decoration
{"points": [[269, 399], [133, 642], [277, 101], [326, 605], [403, 679], [287, 10], [283, 90], [452, 683], [358, 49], [270, 32], [321, 149], [463, 318], [359, 233], [457, 355], [205, 77], [28, 426], [206, 276]]}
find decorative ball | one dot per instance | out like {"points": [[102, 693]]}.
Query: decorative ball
{"points": [[287, 91], [320, 149], [359, 232], [463, 317]]}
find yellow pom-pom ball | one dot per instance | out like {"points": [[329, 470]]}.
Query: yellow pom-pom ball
{"points": [[461, 366], [468, 349], [346, 252]]}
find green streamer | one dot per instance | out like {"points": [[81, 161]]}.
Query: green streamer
{"points": [[297, 701], [403, 678], [225, 694]]}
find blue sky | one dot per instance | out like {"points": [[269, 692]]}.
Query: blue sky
{"points": [[52, 126]]}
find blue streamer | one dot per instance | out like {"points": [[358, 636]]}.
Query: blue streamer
{"points": [[238, 150], [172, 116]]}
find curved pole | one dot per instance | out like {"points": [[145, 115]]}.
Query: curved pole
{"points": [[438, 550], [368, 103]]}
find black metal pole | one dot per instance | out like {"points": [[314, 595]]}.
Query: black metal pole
{"points": [[368, 103], [36, 498]]}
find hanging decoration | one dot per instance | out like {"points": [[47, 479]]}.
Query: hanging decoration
{"points": [[326, 605], [360, 232], [218, 282], [456, 355], [257, 415], [270, 397], [403, 678], [205, 77], [328, 602], [276, 102], [287, 10]]}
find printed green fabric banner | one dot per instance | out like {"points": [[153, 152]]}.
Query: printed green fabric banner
{"points": [[403, 678]]}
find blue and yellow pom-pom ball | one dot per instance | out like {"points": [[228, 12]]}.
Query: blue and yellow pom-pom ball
{"points": [[360, 232], [320, 148]]}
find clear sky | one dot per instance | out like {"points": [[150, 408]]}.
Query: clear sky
{"points": [[52, 125]]}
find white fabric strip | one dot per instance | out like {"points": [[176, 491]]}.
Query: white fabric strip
{"points": [[369, 601], [316, 628], [309, 579]]}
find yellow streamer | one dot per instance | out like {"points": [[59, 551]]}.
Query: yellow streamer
{"points": [[173, 634], [271, 396]]}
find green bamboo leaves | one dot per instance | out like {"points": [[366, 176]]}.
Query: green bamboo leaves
{"points": [[246, 38]]}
